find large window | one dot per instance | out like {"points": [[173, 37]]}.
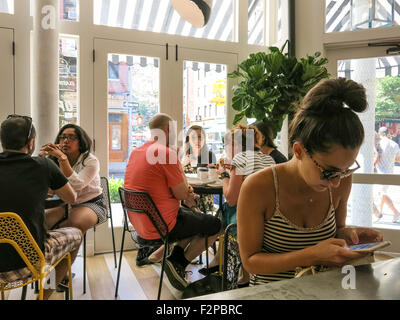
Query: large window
{"points": [[264, 21], [380, 153], [346, 15], [7, 6], [133, 98], [204, 101], [69, 10], [160, 16], [68, 83]]}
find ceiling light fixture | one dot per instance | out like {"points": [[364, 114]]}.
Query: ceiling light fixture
{"points": [[196, 12]]}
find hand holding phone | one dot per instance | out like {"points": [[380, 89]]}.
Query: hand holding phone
{"points": [[369, 247]]}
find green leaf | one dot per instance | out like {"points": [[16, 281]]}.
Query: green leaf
{"points": [[238, 118], [272, 83]]}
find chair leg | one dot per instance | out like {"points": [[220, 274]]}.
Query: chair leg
{"points": [[206, 251], [41, 289], [166, 245], [84, 264], [70, 294], [221, 252], [120, 262], [113, 240], [23, 294], [214, 246]]}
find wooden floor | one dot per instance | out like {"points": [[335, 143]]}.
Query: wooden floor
{"points": [[136, 283]]}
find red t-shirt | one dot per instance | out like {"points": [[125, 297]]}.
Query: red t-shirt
{"points": [[154, 168]]}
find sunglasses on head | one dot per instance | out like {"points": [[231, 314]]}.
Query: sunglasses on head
{"points": [[27, 119], [334, 174]]}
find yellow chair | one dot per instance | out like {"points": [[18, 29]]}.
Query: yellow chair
{"points": [[14, 232]]}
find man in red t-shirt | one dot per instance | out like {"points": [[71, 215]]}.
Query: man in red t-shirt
{"points": [[156, 169]]}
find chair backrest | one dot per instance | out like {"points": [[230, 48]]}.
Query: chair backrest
{"points": [[13, 231], [232, 261], [141, 202], [106, 193]]}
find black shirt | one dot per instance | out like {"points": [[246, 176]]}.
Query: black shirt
{"points": [[278, 156], [205, 158], [24, 183]]}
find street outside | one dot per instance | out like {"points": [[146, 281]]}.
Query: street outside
{"points": [[386, 220]]}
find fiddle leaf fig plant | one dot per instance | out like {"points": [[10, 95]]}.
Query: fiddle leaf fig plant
{"points": [[273, 84]]}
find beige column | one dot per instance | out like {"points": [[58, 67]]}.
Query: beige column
{"points": [[45, 70]]}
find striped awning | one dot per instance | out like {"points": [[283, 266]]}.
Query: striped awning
{"points": [[159, 16], [386, 66], [116, 59]]}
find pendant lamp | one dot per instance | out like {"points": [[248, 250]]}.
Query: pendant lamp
{"points": [[196, 12]]}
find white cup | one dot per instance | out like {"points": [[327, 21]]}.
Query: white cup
{"points": [[202, 173], [212, 173]]}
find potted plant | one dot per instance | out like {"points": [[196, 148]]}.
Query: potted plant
{"points": [[273, 84]]}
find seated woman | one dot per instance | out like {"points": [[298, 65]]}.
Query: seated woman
{"points": [[294, 214], [269, 148], [196, 155], [243, 158], [71, 152]]}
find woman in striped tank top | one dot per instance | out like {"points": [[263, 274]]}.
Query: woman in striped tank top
{"points": [[294, 214]]}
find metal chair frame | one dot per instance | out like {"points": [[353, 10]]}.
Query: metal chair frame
{"points": [[229, 238], [27, 248], [155, 218]]}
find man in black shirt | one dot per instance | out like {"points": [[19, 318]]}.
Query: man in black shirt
{"points": [[24, 185]]}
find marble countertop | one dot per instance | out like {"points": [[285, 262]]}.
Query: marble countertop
{"points": [[375, 281]]}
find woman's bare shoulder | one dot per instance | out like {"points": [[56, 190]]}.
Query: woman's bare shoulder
{"points": [[260, 180]]}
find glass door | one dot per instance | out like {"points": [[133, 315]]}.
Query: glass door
{"points": [[133, 82], [128, 79], [206, 93]]}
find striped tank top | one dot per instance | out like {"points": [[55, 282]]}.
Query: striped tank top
{"points": [[281, 236]]}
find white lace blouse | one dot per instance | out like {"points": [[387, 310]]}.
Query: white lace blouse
{"points": [[85, 179]]}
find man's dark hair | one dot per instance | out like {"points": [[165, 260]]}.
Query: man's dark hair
{"points": [[14, 133]]}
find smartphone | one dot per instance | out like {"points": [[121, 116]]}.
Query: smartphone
{"points": [[369, 247]]}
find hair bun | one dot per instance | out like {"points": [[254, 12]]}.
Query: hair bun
{"points": [[330, 96]]}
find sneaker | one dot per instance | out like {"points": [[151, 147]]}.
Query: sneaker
{"points": [[143, 255], [396, 218], [175, 274], [63, 286]]}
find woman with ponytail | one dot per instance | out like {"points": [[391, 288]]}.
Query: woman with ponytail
{"points": [[294, 214]]}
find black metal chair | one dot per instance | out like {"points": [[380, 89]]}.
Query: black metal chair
{"points": [[232, 261], [138, 202], [106, 193]]}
